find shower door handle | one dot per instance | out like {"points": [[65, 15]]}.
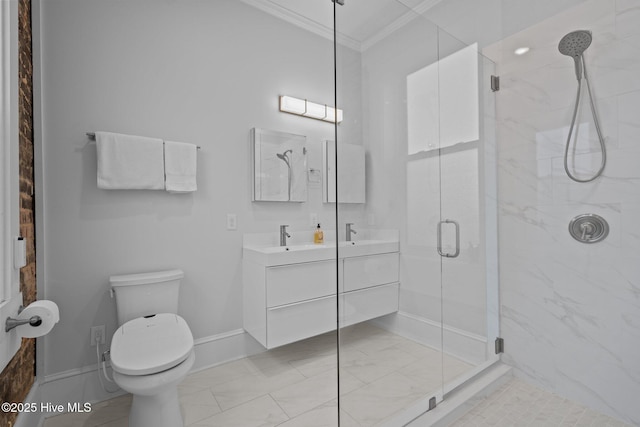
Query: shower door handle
{"points": [[457, 226]]}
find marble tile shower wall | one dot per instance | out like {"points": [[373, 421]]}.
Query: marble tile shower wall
{"points": [[571, 311]]}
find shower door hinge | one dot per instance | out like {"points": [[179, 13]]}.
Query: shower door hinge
{"points": [[432, 403], [499, 345], [495, 83]]}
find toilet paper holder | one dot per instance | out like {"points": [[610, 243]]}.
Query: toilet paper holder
{"points": [[14, 323]]}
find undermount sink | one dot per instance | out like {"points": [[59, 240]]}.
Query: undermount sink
{"points": [[291, 254]]}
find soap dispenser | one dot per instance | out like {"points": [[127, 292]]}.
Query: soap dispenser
{"points": [[318, 236]]}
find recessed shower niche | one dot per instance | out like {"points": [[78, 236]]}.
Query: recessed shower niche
{"points": [[279, 166]]}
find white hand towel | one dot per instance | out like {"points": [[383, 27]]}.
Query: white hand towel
{"points": [[180, 161], [129, 162]]}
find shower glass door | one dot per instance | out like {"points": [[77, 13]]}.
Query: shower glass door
{"points": [[466, 230], [417, 285]]}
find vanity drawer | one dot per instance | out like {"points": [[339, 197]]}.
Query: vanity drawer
{"points": [[296, 322], [300, 282], [371, 270], [366, 304]]}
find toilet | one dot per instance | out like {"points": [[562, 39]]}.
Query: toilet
{"points": [[152, 350]]}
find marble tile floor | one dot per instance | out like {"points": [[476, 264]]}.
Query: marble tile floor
{"points": [[295, 385], [519, 404]]}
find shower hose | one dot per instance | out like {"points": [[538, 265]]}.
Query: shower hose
{"points": [[597, 124]]}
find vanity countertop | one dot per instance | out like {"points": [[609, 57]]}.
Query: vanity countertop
{"points": [[293, 254]]}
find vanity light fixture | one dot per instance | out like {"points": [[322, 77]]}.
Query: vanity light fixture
{"points": [[302, 107]]}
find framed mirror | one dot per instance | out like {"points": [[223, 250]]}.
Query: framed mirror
{"points": [[279, 166]]}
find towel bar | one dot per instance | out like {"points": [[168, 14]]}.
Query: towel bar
{"points": [[92, 136]]}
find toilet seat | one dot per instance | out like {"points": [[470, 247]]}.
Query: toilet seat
{"points": [[151, 344]]}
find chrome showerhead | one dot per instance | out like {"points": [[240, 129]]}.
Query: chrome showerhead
{"points": [[574, 44]]}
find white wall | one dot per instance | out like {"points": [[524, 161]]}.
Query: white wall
{"points": [[571, 311], [204, 72]]}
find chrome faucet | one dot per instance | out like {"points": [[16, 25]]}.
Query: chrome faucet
{"points": [[350, 231], [283, 235]]}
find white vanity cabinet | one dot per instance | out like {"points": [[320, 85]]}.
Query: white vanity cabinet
{"points": [[369, 287], [289, 302]]}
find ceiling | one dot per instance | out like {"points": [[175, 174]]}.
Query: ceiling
{"points": [[359, 23]]}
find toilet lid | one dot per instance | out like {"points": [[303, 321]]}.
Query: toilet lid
{"points": [[151, 344]]}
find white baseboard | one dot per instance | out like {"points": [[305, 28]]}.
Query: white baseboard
{"points": [[467, 346], [217, 349], [83, 386], [75, 385]]}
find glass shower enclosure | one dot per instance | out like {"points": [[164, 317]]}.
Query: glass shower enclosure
{"points": [[417, 252]]}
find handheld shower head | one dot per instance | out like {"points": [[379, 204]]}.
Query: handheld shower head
{"points": [[574, 44]]}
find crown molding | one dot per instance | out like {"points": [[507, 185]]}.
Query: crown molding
{"points": [[327, 33], [409, 16], [302, 22]]}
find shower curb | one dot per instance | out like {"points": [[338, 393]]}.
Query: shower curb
{"points": [[464, 398]]}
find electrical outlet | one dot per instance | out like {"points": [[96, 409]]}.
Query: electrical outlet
{"points": [[232, 222], [313, 219], [98, 335]]}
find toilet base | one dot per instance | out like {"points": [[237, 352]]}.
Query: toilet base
{"points": [[160, 410], [155, 397]]}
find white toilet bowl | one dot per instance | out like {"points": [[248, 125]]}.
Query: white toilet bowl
{"points": [[150, 356]]}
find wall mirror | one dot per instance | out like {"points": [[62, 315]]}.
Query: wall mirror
{"points": [[279, 166], [351, 172]]}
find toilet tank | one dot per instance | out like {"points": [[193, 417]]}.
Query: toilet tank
{"points": [[144, 294]]}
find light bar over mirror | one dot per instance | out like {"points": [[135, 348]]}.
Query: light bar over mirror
{"points": [[302, 107]]}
